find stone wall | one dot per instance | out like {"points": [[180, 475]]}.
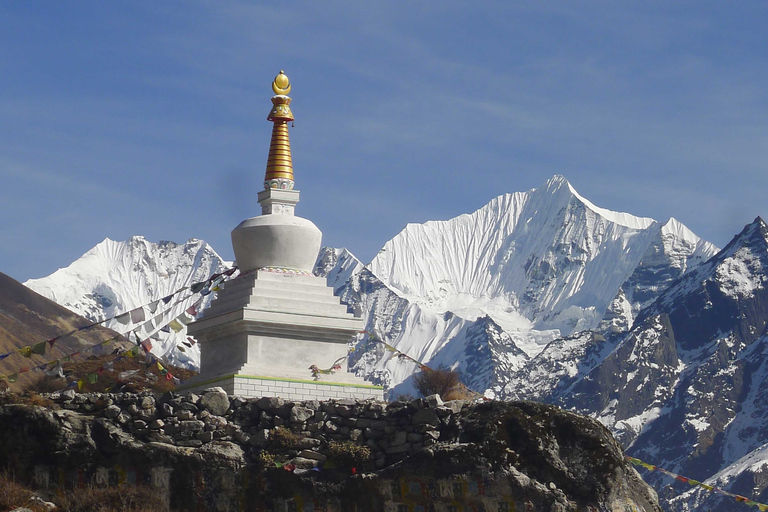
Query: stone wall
{"points": [[217, 452]]}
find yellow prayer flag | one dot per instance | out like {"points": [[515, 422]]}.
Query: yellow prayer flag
{"points": [[26, 351], [80, 384], [175, 325]]}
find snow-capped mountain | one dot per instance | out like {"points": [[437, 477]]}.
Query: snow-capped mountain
{"points": [[115, 277], [539, 264]]}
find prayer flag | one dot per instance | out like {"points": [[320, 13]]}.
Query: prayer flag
{"points": [[53, 340], [26, 351], [93, 378], [181, 348], [192, 310], [191, 340], [169, 376], [167, 299], [175, 325], [152, 306], [56, 370], [3, 356], [80, 384], [146, 345], [13, 377], [137, 315], [24, 370], [196, 287], [39, 348], [124, 318]]}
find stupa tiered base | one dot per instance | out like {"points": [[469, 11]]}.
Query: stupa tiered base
{"points": [[265, 329]]}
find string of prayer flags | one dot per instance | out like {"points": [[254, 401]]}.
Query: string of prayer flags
{"points": [[695, 483]]}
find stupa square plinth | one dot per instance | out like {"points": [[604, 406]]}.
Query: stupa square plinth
{"points": [[265, 329]]}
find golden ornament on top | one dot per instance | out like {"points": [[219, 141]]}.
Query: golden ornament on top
{"points": [[281, 84]]}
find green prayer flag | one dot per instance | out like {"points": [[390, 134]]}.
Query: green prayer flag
{"points": [[39, 348], [93, 378], [13, 377]]}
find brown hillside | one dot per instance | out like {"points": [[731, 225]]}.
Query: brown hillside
{"points": [[27, 318]]}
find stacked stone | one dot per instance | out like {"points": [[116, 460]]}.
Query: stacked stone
{"points": [[392, 431]]}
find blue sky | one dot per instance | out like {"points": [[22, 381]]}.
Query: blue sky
{"points": [[149, 118]]}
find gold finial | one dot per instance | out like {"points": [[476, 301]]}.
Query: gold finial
{"points": [[279, 163], [281, 84]]}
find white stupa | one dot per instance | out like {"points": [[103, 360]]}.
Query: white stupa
{"points": [[277, 330]]}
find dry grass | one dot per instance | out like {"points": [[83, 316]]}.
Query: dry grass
{"points": [[120, 498], [87, 499], [27, 398], [13, 495]]}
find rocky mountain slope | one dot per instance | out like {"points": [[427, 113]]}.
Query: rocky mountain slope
{"points": [[115, 277], [685, 387]]}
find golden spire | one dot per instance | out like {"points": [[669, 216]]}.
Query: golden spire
{"points": [[279, 165]]}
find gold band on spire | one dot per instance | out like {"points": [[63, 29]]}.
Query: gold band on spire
{"points": [[279, 164]]}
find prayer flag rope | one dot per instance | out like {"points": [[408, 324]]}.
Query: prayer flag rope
{"points": [[316, 372], [696, 483], [135, 315]]}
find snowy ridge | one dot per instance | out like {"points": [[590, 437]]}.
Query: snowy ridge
{"points": [[546, 256], [115, 277]]}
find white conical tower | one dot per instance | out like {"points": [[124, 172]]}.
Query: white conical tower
{"points": [[269, 327]]}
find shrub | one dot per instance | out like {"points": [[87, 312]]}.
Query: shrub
{"points": [[437, 382], [347, 453], [265, 459], [283, 439]]}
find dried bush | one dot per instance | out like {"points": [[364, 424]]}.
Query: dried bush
{"points": [[437, 382], [460, 392], [45, 384], [347, 453], [283, 439]]}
